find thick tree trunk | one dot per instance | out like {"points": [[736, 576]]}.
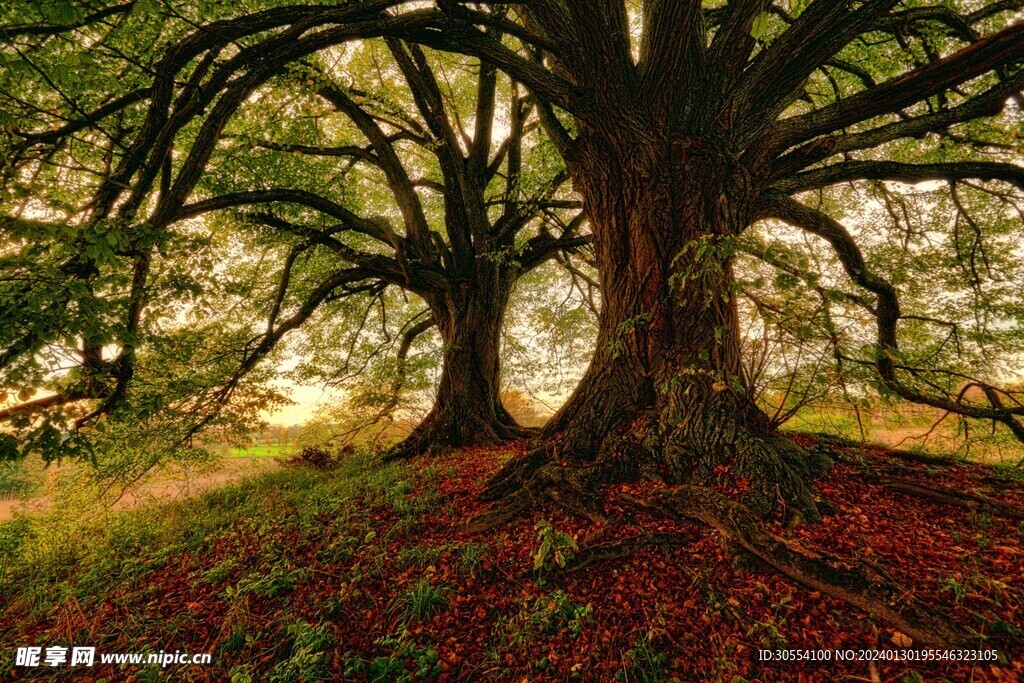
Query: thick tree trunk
{"points": [[467, 409], [664, 394]]}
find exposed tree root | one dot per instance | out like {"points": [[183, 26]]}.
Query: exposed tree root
{"points": [[894, 453], [538, 478], [512, 476], [859, 585], [923, 458], [438, 433], [948, 496], [615, 550], [776, 472], [534, 481]]}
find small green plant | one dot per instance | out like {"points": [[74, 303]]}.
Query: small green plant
{"points": [[422, 601], [771, 629], [556, 612], [219, 572], [549, 614], [404, 662], [642, 663], [338, 550], [413, 505], [237, 640], [555, 548], [242, 673], [277, 582], [307, 658], [955, 588], [420, 555], [405, 526], [471, 557]]}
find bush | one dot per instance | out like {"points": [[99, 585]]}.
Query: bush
{"points": [[319, 458]]}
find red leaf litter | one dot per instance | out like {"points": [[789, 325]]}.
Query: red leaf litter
{"points": [[660, 614]]}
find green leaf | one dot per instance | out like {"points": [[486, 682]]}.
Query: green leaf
{"points": [[760, 26], [60, 12]]}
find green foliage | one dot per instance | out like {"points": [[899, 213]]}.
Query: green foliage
{"points": [[425, 662], [556, 612], [45, 557], [554, 548], [17, 479], [420, 555], [308, 659], [547, 615], [471, 557], [421, 601], [268, 585], [760, 25], [155, 327], [643, 663], [771, 630]]}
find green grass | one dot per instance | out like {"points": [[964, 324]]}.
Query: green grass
{"points": [[422, 601], [471, 557], [643, 663], [19, 479], [263, 451], [902, 426], [247, 546], [48, 558]]}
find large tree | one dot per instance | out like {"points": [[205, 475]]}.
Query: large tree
{"points": [[681, 123], [307, 185]]}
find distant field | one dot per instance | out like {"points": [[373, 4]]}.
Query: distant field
{"points": [[912, 428], [264, 451]]}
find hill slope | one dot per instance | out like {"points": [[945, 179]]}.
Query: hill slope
{"points": [[365, 573]]}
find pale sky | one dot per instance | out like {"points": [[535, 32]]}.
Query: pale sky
{"points": [[307, 400]]}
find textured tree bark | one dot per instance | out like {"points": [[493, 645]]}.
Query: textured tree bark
{"points": [[467, 409], [664, 395]]}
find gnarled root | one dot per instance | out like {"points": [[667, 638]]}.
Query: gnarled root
{"points": [[604, 552], [777, 472], [862, 586], [449, 429], [961, 499], [532, 481]]}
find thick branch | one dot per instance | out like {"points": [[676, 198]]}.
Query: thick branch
{"points": [[9, 32], [398, 178], [379, 230], [776, 77], [1000, 49], [905, 173], [777, 205], [988, 103]]}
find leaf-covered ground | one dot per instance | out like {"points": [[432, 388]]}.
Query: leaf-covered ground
{"points": [[364, 573]]}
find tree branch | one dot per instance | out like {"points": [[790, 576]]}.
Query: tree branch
{"points": [[1000, 49], [379, 230], [900, 172], [777, 205]]}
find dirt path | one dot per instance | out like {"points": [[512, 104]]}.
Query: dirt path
{"points": [[173, 486]]}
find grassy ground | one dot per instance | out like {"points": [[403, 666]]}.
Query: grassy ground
{"points": [[263, 451], [19, 479], [33, 488], [909, 427], [364, 573]]}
